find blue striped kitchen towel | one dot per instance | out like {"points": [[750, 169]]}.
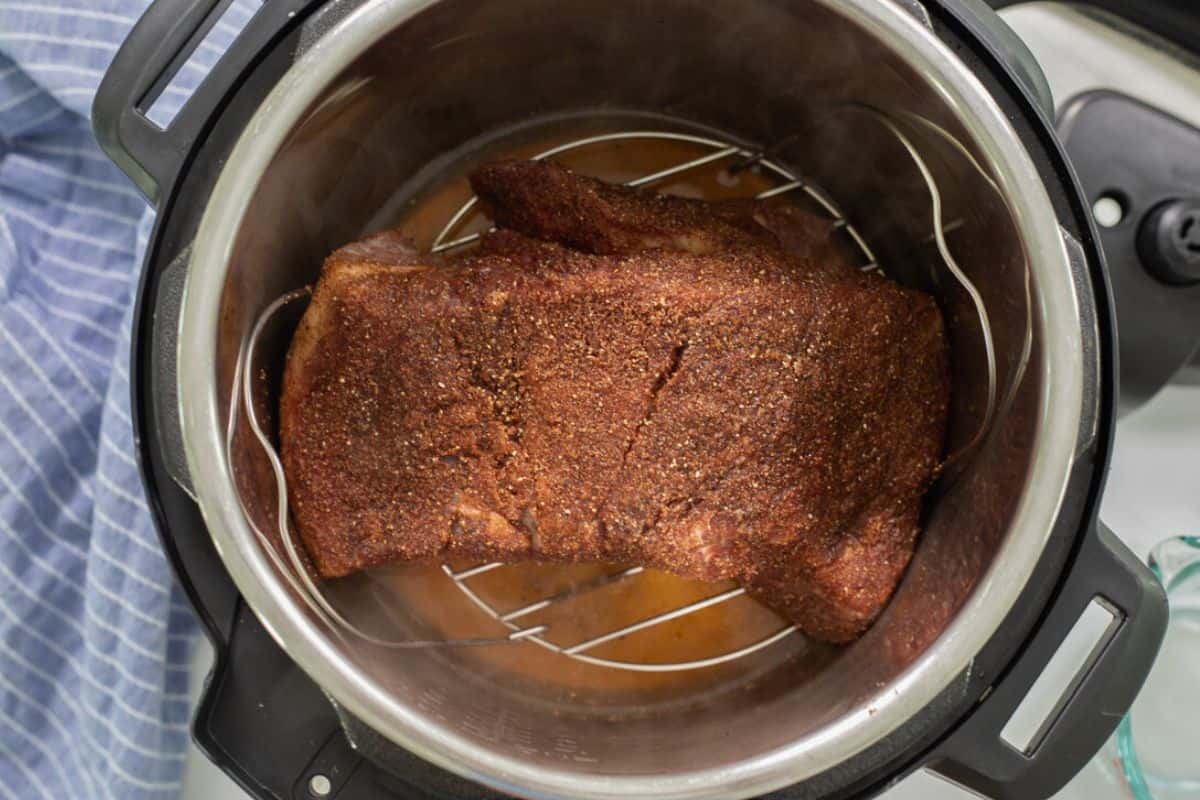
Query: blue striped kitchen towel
{"points": [[95, 636]]}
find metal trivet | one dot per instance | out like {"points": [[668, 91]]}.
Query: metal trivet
{"points": [[722, 153]]}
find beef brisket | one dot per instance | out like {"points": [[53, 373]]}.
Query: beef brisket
{"points": [[706, 389]]}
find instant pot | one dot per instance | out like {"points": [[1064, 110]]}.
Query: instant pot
{"points": [[931, 127]]}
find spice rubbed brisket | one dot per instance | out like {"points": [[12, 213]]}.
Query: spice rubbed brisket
{"points": [[706, 389]]}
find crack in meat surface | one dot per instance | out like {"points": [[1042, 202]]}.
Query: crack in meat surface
{"points": [[664, 377], [708, 389]]}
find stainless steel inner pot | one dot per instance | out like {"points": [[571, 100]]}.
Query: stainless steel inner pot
{"points": [[375, 110]]}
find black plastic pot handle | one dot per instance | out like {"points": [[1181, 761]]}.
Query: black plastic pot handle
{"points": [[975, 755], [157, 47], [1000, 40], [1007, 47]]}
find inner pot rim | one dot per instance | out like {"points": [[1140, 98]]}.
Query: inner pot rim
{"points": [[317, 653]]}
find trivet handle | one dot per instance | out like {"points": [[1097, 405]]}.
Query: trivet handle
{"points": [[978, 757], [157, 47]]}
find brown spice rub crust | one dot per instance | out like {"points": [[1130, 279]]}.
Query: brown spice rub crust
{"points": [[750, 410]]}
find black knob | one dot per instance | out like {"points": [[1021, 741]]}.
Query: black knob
{"points": [[1169, 241]]}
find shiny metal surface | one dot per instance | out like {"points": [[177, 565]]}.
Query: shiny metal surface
{"points": [[324, 155], [1107, 52]]}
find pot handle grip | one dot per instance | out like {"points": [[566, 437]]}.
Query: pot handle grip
{"points": [[158, 46], [1007, 47], [978, 757]]}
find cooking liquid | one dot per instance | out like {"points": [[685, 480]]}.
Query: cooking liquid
{"points": [[424, 598]]}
